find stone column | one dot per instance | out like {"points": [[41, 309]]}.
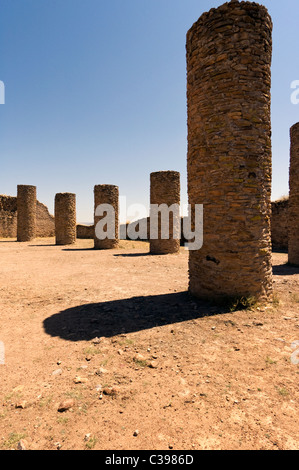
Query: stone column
{"points": [[26, 213], [293, 212], [65, 218], [106, 218], [229, 53], [165, 189]]}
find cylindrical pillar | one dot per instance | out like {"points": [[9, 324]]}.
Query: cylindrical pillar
{"points": [[26, 213], [106, 216], [229, 52], [293, 211], [165, 192], [65, 218]]}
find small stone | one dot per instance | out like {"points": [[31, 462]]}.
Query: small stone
{"points": [[110, 391], [87, 437], [139, 357], [57, 372], [136, 433], [22, 445], [66, 405], [80, 380], [153, 365], [88, 357], [96, 340], [21, 404]]}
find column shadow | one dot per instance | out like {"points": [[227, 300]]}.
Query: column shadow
{"points": [[285, 270], [85, 322]]}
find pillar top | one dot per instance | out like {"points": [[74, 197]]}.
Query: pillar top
{"points": [[295, 126], [26, 186]]}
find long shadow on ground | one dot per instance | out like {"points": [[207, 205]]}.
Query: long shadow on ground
{"points": [[108, 319], [285, 270]]}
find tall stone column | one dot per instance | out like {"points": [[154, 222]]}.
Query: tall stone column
{"points": [[106, 216], [165, 190], [65, 218], [229, 52], [293, 211], [26, 213]]}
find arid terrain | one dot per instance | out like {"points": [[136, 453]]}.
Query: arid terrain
{"points": [[106, 350]]}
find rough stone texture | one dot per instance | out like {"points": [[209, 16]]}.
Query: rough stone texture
{"points": [[106, 194], [26, 213], [229, 52], [165, 189], [85, 231], [294, 197], [65, 218], [279, 225], [45, 225]]}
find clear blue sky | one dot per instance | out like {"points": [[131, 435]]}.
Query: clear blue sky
{"points": [[96, 94]]}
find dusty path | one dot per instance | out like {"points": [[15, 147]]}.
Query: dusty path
{"points": [[146, 356]]}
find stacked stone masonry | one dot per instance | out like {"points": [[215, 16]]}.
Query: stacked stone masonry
{"points": [[294, 197], [165, 189], [279, 224], [65, 218], [106, 194], [45, 226], [26, 213], [229, 52]]}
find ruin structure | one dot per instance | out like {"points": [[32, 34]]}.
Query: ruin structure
{"points": [[65, 218], [165, 190], [26, 213], [293, 216], [229, 52], [106, 220]]}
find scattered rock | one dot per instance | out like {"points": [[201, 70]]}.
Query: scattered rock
{"points": [[57, 372], [66, 405], [21, 404], [110, 391], [22, 445], [153, 365], [139, 357], [136, 433], [80, 380], [101, 371], [96, 340]]}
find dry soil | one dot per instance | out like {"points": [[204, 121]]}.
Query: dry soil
{"points": [[106, 350]]}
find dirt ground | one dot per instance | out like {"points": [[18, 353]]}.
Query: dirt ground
{"points": [[106, 350]]}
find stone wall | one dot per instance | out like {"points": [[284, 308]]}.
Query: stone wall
{"points": [[65, 218], [229, 54], [85, 231], [294, 196], [106, 194], [26, 213], [165, 190], [8, 218], [279, 225]]}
